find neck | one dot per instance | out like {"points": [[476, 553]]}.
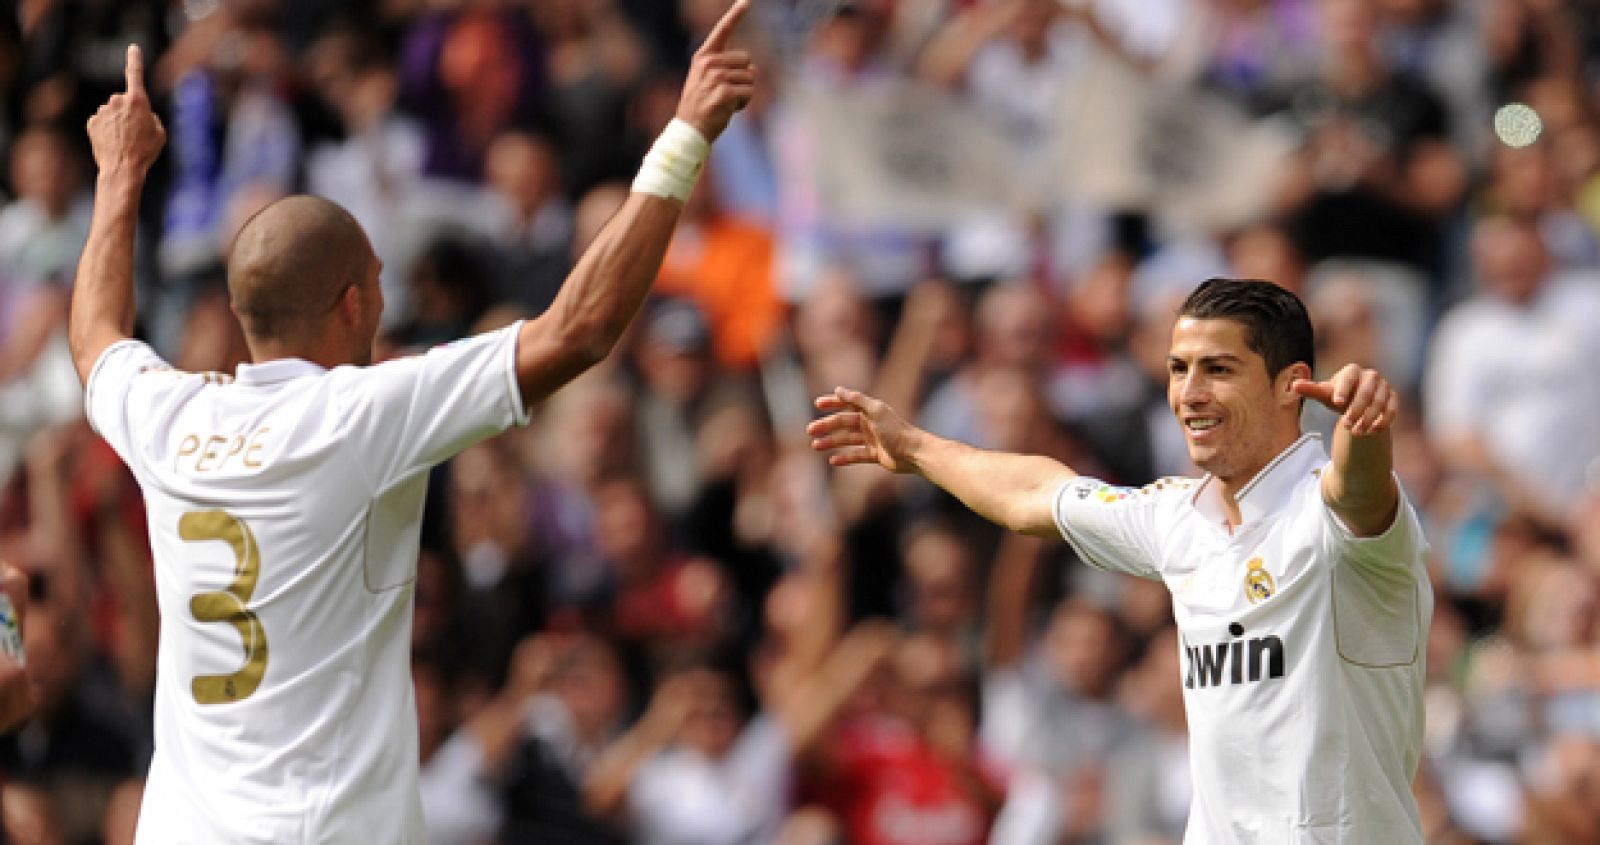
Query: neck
{"points": [[1228, 488], [321, 354]]}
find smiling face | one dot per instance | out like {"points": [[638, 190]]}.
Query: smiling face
{"points": [[1235, 416]]}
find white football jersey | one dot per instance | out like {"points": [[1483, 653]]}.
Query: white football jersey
{"points": [[1302, 648], [285, 507]]}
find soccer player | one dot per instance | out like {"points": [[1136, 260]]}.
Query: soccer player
{"points": [[284, 501], [1297, 578]]}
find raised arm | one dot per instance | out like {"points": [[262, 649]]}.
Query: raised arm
{"points": [[605, 786], [947, 58], [810, 707], [1011, 490], [604, 291], [1359, 485], [126, 136]]}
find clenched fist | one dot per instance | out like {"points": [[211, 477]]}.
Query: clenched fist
{"points": [[720, 80], [126, 135]]}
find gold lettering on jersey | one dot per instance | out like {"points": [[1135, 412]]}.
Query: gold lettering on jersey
{"points": [[209, 453], [252, 454], [1258, 583], [217, 452], [229, 605]]}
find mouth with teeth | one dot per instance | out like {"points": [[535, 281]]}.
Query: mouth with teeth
{"points": [[1201, 425]]}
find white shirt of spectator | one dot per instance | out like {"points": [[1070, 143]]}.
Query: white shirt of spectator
{"points": [[314, 482], [679, 797], [1303, 648], [1522, 380]]}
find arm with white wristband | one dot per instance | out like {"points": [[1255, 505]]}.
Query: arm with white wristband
{"points": [[610, 282], [674, 162]]}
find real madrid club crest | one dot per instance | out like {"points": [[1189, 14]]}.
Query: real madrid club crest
{"points": [[1258, 583]]}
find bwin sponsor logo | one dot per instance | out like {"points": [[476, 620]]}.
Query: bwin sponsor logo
{"points": [[1234, 661]]}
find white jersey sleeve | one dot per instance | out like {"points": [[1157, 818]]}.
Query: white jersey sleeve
{"points": [[1111, 528], [129, 375], [1378, 602], [1398, 549], [412, 413]]}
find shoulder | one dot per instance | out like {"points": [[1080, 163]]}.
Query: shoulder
{"points": [[1473, 312], [1166, 489], [1578, 289], [1462, 327]]}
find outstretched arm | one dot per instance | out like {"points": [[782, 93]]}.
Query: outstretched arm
{"points": [[126, 136], [604, 291], [1011, 490], [1359, 485]]}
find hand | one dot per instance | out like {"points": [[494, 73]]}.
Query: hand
{"points": [[720, 80], [533, 664], [863, 430], [16, 691], [869, 643], [1368, 402], [670, 707], [126, 135], [995, 19], [929, 304]]}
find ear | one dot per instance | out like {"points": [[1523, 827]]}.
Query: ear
{"points": [[1291, 374], [350, 305]]}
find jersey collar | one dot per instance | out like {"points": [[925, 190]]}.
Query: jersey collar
{"points": [[1268, 491], [276, 370]]}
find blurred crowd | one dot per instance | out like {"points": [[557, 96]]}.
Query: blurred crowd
{"points": [[653, 616]]}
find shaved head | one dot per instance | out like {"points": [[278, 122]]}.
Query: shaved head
{"points": [[290, 264]]}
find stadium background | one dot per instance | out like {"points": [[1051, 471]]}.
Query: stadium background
{"points": [[984, 212]]}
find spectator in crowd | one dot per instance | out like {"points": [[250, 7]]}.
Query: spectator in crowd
{"points": [[725, 265], [41, 234], [524, 171], [469, 73], [375, 168], [681, 386], [1147, 785], [1377, 173], [1509, 394], [906, 768], [845, 55], [694, 771]]}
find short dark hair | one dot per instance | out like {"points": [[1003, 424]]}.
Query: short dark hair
{"points": [[1276, 325]]}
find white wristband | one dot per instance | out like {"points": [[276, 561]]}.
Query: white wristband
{"points": [[673, 163]]}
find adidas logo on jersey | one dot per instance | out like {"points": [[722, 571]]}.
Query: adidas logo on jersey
{"points": [[1236, 661]]}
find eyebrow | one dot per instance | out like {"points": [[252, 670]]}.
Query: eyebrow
{"points": [[1226, 358]]}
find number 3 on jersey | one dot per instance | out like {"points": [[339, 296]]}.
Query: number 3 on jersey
{"points": [[229, 605]]}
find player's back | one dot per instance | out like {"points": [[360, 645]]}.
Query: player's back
{"points": [[284, 509]]}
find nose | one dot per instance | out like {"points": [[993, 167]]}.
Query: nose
{"points": [[1190, 388]]}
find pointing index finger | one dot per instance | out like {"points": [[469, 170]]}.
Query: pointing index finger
{"points": [[724, 28], [134, 71]]}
